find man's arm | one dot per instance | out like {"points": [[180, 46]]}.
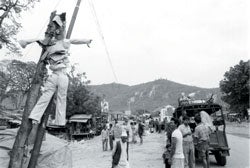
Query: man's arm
{"points": [[114, 148], [24, 43], [80, 41], [182, 131], [196, 135], [185, 135], [102, 133], [173, 147]]}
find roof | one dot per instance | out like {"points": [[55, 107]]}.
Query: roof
{"points": [[6, 118], [163, 107], [116, 112], [80, 118], [15, 121]]}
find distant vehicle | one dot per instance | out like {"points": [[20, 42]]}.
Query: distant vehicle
{"points": [[218, 139], [234, 117]]}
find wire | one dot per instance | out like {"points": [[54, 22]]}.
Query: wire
{"points": [[102, 37]]}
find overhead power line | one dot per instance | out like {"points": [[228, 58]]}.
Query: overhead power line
{"points": [[102, 37]]}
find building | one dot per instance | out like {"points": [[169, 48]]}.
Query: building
{"points": [[128, 112], [104, 106], [165, 112], [80, 126]]}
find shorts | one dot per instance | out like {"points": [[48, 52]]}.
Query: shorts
{"points": [[203, 149]]}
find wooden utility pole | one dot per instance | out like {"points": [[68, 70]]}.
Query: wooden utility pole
{"points": [[39, 136], [73, 19], [44, 120], [20, 144]]}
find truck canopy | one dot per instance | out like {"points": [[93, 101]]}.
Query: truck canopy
{"points": [[193, 109]]}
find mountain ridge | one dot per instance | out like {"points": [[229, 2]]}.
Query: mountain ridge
{"points": [[149, 95]]}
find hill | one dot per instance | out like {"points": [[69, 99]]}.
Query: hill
{"points": [[150, 95]]}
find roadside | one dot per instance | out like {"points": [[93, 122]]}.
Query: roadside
{"points": [[238, 129]]}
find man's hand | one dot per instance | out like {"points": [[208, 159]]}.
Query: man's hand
{"points": [[170, 161], [189, 133], [89, 43], [23, 43]]}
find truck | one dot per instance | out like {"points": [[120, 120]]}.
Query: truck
{"points": [[218, 138]]}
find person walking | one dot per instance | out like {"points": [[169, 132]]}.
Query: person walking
{"points": [[156, 125], [176, 154], [151, 125], [140, 131], [119, 153], [201, 134], [105, 136], [188, 145], [111, 136], [133, 128], [126, 129]]}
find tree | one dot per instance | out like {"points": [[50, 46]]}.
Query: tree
{"points": [[235, 87], [79, 99], [10, 11], [21, 75], [4, 80], [16, 77]]}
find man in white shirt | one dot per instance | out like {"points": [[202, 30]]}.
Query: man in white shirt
{"points": [[176, 156]]}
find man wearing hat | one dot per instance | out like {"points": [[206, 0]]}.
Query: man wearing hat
{"points": [[119, 153]]}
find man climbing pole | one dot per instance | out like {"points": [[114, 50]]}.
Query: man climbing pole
{"points": [[56, 55], [17, 155]]}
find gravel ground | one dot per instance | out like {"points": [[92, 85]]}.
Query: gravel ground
{"points": [[89, 154]]}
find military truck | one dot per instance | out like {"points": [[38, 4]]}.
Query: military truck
{"points": [[218, 139]]}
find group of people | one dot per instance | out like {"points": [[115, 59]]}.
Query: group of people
{"points": [[180, 151], [118, 137]]}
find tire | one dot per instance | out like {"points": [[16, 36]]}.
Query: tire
{"points": [[221, 160]]}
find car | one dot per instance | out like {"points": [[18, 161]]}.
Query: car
{"points": [[218, 139]]}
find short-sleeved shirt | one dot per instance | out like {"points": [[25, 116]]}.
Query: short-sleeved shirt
{"points": [[179, 148], [58, 54], [105, 134], [117, 131], [202, 132], [184, 130]]}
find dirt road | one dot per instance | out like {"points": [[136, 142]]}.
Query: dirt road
{"points": [[148, 155]]}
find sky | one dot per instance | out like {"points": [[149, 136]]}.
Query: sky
{"points": [[191, 42]]}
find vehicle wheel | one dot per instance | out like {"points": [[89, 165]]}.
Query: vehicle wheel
{"points": [[221, 160]]}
